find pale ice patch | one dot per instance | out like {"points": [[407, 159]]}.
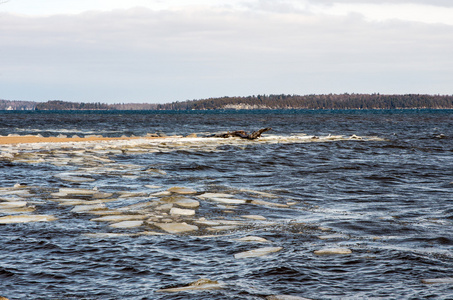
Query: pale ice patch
{"points": [[257, 252], [127, 224], [332, 251], [26, 219]]}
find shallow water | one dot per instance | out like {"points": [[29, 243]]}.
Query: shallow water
{"points": [[378, 183]]}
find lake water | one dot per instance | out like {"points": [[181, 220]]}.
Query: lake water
{"points": [[376, 183]]}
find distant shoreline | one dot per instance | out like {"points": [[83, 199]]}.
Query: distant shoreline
{"points": [[260, 102], [223, 109]]}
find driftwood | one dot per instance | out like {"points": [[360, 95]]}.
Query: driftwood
{"points": [[242, 134]]}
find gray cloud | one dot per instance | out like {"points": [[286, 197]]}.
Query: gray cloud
{"points": [[144, 55]]}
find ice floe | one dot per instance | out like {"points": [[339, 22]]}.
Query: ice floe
{"points": [[11, 204], [169, 211], [254, 217], [182, 190], [286, 297], [332, 251], [89, 207], [187, 203], [17, 210], [199, 285], [267, 203], [176, 227], [257, 252], [182, 212], [333, 237], [26, 219], [255, 239], [63, 192], [445, 280], [228, 200], [119, 218], [127, 224]]}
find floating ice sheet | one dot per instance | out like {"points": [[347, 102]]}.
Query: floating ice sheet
{"points": [[26, 219], [257, 252]]}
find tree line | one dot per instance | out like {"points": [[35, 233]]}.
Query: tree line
{"points": [[282, 101], [330, 101], [64, 105]]}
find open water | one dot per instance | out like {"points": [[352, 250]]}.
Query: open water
{"points": [[376, 183]]}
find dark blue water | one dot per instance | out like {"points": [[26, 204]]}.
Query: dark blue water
{"points": [[388, 199]]}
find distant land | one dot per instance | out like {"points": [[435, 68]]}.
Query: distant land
{"points": [[330, 101]]}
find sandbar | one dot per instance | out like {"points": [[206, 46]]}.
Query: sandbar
{"points": [[27, 139]]}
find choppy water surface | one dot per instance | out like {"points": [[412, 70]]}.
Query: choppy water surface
{"points": [[376, 184]]}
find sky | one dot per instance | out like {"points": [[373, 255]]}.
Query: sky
{"points": [[160, 51]]}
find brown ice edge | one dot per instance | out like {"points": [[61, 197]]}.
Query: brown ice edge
{"points": [[8, 140]]}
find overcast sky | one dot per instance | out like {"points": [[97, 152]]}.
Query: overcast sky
{"points": [[172, 50]]}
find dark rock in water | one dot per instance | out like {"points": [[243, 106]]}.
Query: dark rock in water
{"points": [[242, 134]]}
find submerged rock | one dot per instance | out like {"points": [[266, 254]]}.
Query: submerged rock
{"points": [[257, 252], [333, 251], [26, 219], [200, 284]]}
